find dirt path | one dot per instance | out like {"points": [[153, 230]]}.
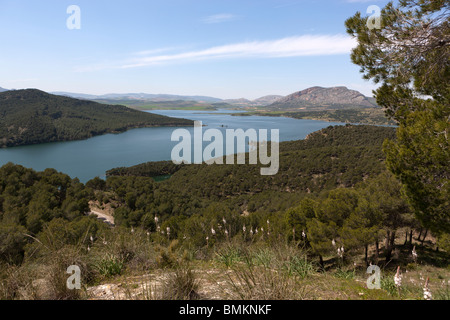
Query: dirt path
{"points": [[108, 219]]}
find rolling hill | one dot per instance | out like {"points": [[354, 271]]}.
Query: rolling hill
{"points": [[32, 116], [314, 98], [139, 97], [320, 98], [263, 101]]}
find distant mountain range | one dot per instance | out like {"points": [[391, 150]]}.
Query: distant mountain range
{"points": [[136, 99], [139, 96], [323, 98], [263, 101], [314, 98], [3, 89], [32, 116], [311, 98]]}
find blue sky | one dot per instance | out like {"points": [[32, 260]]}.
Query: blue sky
{"points": [[225, 49]]}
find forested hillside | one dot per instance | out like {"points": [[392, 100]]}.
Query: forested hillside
{"points": [[31, 202], [371, 116], [32, 116], [327, 159], [332, 191]]}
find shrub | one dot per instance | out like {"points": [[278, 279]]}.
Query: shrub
{"points": [[344, 274], [16, 283], [299, 266], [181, 285], [110, 265], [261, 283], [228, 256], [54, 281], [387, 284]]}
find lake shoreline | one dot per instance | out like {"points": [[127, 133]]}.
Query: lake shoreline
{"points": [[101, 134], [93, 157]]}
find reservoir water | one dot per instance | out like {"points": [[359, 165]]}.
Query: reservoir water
{"points": [[86, 159]]}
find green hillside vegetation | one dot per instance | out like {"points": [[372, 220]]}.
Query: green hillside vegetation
{"points": [[32, 116], [370, 116], [331, 158], [331, 188], [149, 169], [345, 198], [270, 233]]}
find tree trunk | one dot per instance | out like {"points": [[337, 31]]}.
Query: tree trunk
{"points": [[410, 236], [377, 250], [321, 261], [420, 233], [392, 242], [365, 254], [406, 238], [388, 254], [388, 236], [390, 246], [424, 236]]}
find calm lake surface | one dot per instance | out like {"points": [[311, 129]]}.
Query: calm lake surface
{"points": [[86, 159]]}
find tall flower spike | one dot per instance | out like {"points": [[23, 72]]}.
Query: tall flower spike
{"points": [[398, 278], [340, 253], [414, 254], [426, 291]]}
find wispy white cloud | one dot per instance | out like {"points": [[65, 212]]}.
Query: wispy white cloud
{"points": [[219, 18], [154, 51], [296, 46], [308, 45]]}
